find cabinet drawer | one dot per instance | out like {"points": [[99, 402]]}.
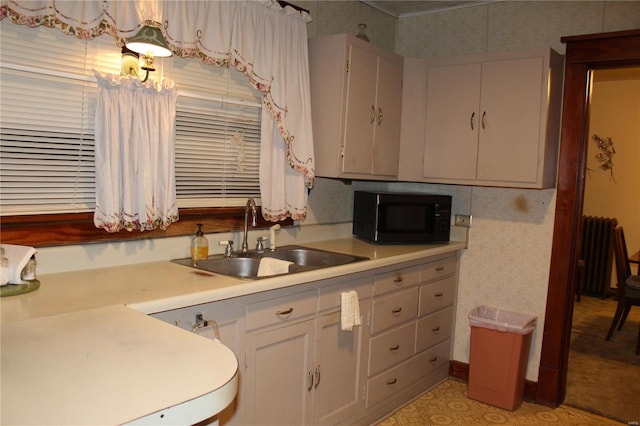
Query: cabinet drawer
{"points": [[281, 310], [330, 297], [394, 309], [392, 382], [437, 295], [438, 268], [434, 329], [400, 278], [392, 348]]}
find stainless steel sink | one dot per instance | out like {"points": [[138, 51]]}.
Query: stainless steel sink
{"points": [[246, 265]]}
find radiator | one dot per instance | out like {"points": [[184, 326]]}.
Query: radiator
{"points": [[597, 254]]}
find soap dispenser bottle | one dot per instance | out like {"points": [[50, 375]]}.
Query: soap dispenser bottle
{"points": [[199, 245]]}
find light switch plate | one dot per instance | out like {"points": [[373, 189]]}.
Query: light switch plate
{"points": [[463, 220]]}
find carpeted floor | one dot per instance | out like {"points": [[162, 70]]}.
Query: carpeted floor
{"points": [[447, 404], [604, 377], [603, 383]]}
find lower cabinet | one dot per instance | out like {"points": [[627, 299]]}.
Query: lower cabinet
{"points": [[297, 365], [280, 376]]}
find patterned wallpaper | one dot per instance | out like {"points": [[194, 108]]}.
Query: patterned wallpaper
{"points": [[507, 263]]}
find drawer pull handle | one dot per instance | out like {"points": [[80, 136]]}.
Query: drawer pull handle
{"points": [[439, 294], [285, 312], [310, 380], [435, 329], [434, 359], [399, 279], [392, 382], [439, 268], [394, 348], [396, 311]]}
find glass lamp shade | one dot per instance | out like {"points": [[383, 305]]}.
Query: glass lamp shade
{"points": [[149, 41]]}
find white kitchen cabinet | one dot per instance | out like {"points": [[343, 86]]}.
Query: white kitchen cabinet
{"points": [[280, 376], [356, 100], [490, 120], [219, 320], [412, 320], [303, 357], [340, 367], [297, 366]]}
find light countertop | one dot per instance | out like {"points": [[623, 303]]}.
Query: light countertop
{"points": [[81, 349], [160, 286], [111, 365]]}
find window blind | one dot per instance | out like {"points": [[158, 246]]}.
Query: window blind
{"points": [[46, 124]]}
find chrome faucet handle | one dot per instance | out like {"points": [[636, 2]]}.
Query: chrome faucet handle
{"points": [[228, 251], [260, 243]]}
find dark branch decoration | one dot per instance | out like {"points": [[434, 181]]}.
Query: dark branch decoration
{"points": [[605, 156]]}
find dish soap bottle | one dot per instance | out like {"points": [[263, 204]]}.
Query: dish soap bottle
{"points": [[199, 245]]}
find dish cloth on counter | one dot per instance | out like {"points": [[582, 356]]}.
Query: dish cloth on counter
{"points": [[270, 266], [349, 310], [18, 257]]}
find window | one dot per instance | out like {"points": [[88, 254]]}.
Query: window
{"points": [[46, 138], [47, 114]]}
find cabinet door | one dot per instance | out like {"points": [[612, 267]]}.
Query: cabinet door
{"points": [[510, 130], [340, 369], [279, 376], [386, 147], [360, 111], [451, 134]]}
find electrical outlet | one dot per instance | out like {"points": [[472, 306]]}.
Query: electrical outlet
{"points": [[463, 220]]}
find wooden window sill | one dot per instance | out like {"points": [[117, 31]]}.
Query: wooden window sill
{"points": [[78, 228]]}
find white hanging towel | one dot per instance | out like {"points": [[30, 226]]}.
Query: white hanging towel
{"points": [[270, 266], [18, 257], [350, 310]]}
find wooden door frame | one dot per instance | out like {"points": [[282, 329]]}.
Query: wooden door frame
{"points": [[583, 54]]}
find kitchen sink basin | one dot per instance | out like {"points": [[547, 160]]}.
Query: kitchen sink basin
{"points": [[245, 265]]}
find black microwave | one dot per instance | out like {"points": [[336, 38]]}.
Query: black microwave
{"points": [[396, 218]]}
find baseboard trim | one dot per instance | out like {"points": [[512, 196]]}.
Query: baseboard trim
{"points": [[460, 370]]}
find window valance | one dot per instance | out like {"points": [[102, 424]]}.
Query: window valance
{"points": [[265, 41]]}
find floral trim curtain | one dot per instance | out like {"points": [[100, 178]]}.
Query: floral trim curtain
{"points": [[134, 154], [266, 42]]}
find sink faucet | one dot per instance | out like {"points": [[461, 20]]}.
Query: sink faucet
{"points": [[251, 205]]}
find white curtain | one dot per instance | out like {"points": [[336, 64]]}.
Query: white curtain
{"points": [[266, 42], [134, 154]]}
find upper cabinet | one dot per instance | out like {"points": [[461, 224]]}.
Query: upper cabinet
{"points": [[356, 99], [490, 120]]}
